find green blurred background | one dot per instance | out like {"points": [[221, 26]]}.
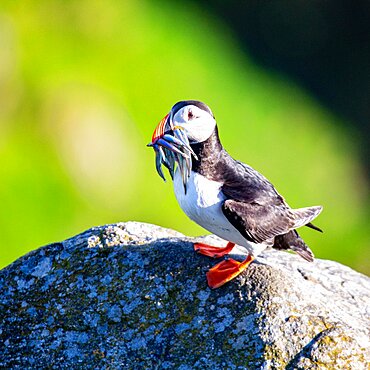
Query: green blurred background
{"points": [[82, 86]]}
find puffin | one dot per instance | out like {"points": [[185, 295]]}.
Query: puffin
{"points": [[223, 195]]}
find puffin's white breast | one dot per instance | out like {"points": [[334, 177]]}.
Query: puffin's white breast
{"points": [[202, 204], [202, 201]]}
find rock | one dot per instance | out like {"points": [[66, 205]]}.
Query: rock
{"points": [[134, 296]]}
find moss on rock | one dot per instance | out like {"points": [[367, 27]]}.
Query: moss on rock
{"points": [[134, 296]]}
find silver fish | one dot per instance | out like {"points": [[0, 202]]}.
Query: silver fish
{"points": [[184, 170], [180, 134], [158, 161], [170, 146], [168, 160], [171, 150]]}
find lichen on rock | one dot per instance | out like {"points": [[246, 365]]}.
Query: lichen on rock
{"points": [[134, 295]]}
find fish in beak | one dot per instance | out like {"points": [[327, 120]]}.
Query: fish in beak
{"points": [[171, 146]]}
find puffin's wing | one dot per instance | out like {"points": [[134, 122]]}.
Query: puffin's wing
{"points": [[244, 184], [262, 222], [258, 223]]}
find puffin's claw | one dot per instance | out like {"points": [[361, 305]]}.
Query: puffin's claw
{"points": [[214, 252], [226, 271]]}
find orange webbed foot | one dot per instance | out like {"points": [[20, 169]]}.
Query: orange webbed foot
{"points": [[226, 271], [214, 252]]}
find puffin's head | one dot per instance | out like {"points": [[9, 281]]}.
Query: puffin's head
{"points": [[193, 117], [189, 122]]}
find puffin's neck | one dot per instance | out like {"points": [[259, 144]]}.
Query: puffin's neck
{"points": [[208, 153]]}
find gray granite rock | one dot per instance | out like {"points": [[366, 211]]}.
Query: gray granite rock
{"points": [[134, 296]]}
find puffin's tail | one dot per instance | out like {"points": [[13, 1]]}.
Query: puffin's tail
{"points": [[314, 227], [304, 216], [291, 240], [294, 242]]}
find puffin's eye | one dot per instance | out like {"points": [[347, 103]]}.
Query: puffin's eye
{"points": [[190, 115]]}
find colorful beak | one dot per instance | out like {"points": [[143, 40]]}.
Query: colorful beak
{"points": [[171, 146], [162, 127]]}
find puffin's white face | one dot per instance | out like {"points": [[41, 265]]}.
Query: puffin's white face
{"points": [[197, 123]]}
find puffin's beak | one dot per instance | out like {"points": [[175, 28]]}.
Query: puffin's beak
{"points": [[159, 130], [162, 136], [171, 145]]}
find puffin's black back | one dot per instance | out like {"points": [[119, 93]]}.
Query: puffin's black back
{"points": [[240, 181]]}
